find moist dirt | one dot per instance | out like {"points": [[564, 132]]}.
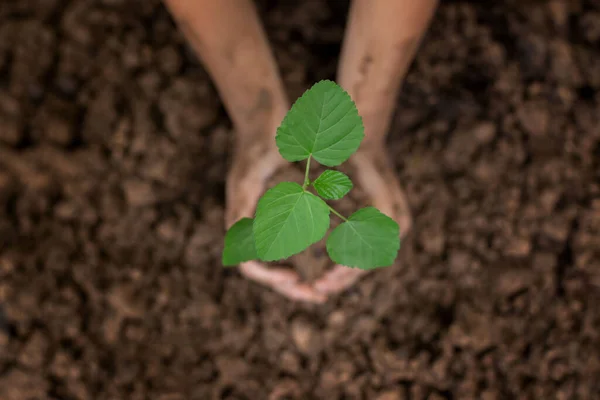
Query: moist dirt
{"points": [[114, 148]]}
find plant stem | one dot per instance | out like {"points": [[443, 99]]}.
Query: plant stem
{"points": [[338, 214], [306, 180]]}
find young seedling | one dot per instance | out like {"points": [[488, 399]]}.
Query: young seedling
{"points": [[323, 125]]}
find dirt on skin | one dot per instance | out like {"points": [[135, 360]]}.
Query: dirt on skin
{"points": [[113, 152]]}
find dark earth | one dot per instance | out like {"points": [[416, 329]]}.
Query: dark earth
{"points": [[113, 152]]}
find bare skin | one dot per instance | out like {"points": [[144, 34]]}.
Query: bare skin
{"points": [[379, 46]]}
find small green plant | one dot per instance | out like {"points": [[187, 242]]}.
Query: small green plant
{"points": [[322, 125]]}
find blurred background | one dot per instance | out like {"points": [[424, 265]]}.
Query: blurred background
{"points": [[114, 148]]}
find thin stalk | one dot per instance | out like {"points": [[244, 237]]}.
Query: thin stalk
{"points": [[338, 214], [306, 179]]}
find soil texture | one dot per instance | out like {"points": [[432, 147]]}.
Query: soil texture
{"points": [[114, 148]]}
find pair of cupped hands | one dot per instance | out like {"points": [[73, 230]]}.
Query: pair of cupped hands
{"points": [[256, 161]]}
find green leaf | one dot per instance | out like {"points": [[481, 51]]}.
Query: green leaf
{"points": [[332, 185], [368, 240], [239, 243], [288, 220], [323, 122]]}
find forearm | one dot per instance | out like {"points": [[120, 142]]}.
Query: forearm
{"points": [[229, 39], [380, 44]]}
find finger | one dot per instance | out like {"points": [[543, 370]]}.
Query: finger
{"points": [[283, 281], [338, 279], [246, 183], [301, 292], [379, 180], [400, 206], [373, 183], [259, 272]]}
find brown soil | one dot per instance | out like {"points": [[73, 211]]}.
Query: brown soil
{"points": [[113, 153]]}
